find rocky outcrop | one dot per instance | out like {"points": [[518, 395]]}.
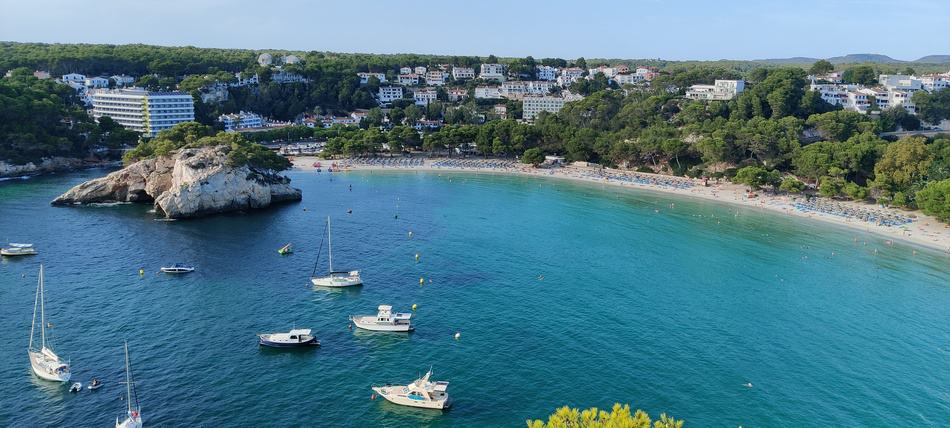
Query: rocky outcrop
{"points": [[186, 183], [47, 165]]}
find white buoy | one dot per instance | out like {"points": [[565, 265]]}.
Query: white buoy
{"points": [[458, 334]]}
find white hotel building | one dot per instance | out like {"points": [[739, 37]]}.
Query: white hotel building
{"points": [[533, 105], [461, 73], [388, 94], [143, 111], [492, 72], [243, 120], [721, 90]]}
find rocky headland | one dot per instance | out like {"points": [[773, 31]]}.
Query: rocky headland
{"points": [[186, 183]]}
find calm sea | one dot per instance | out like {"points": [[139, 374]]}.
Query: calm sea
{"points": [[564, 294]]}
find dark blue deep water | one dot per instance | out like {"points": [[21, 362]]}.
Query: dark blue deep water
{"points": [[669, 309]]}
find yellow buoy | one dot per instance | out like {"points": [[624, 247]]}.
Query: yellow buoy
{"points": [[422, 280], [141, 272], [414, 306], [417, 257]]}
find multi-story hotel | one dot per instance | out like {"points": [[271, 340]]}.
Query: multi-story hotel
{"points": [[144, 111], [535, 104]]}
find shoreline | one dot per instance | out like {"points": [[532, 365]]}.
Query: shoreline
{"points": [[924, 231], [80, 165]]}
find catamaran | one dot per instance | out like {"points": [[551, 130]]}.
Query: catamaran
{"points": [[15, 249], [46, 364], [384, 320], [420, 393], [334, 278], [133, 418]]}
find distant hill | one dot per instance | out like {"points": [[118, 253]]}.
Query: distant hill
{"points": [[792, 60], [859, 58], [934, 59]]}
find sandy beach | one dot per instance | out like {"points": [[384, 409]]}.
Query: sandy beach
{"points": [[911, 227]]}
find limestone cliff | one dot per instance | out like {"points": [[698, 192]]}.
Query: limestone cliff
{"points": [[186, 183]]}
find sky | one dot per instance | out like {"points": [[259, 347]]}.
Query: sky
{"points": [[668, 29]]}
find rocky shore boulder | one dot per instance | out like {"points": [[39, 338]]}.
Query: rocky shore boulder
{"points": [[186, 183]]}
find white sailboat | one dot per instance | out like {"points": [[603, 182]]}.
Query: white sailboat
{"points": [[46, 364], [334, 278], [133, 419]]}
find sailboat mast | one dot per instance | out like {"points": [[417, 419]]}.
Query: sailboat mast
{"points": [[128, 378], [329, 245], [42, 311], [36, 302]]}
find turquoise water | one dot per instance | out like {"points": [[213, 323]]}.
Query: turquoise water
{"points": [[669, 309]]}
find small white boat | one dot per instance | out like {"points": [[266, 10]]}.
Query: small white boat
{"points": [[94, 384], [420, 393], [384, 320], [334, 278], [178, 268], [296, 338], [133, 417], [76, 387], [45, 363], [15, 249]]}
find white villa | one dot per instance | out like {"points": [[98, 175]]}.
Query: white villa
{"points": [[721, 90]]}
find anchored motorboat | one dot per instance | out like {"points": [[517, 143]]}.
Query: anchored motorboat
{"points": [[384, 320], [334, 278], [14, 249], [178, 268], [420, 393], [298, 337], [46, 364]]}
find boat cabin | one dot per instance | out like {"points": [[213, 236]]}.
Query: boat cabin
{"points": [[299, 334], [386, 315]]}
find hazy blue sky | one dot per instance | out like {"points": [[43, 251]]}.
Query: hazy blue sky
{"points": [[670, 29]]}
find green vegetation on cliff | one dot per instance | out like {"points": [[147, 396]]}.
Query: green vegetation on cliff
{"points": [[41, 119], [620, 416], [193, 135]]}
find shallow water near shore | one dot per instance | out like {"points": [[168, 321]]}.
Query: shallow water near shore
{"points": [[564, 293]]}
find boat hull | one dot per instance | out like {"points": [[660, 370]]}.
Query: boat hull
{"points": [[372, 325], [129, 422], [395, 395], [272, 344], [45, 369], [336, 282], [16, 253]]}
